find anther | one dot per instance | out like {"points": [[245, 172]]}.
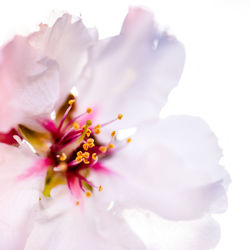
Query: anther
{"points": [[85, 146], [129, 140], [94, 157], [111, 145], [78, 203], [103, 149], [89, 110], [88, 194], [100, 188], [85, 155], [85, 161], [63, 157], [71, 102], [80, 154], [97, 131], [113, 133], [79, 159], [119, 117]]}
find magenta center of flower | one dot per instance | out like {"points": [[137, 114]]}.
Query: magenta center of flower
{"points": [[73, 150]]}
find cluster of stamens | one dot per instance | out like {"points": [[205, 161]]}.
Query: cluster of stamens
{"points": [[76, 148]]}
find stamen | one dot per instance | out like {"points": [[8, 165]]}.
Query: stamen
{"points": [[85, 155], [86, 161], [78, 203], [71, 102], [88, 194], [94, 156], [97, 131], [85, 146], [103, 149], [119, 117], [113, 133], [79, 159], [100, 188], [85, 129], [63, 157], [89, 110], [111, 146], [129, 140], [80, 153]]}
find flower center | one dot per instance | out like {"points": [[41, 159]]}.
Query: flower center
{"points": [[74, 149]]}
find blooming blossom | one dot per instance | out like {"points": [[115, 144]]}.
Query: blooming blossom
{"points": [[72, 165]]}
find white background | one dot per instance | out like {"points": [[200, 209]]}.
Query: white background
{"points": [[214, 85]]}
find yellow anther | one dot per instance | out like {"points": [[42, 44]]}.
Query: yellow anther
{"points": [[98, 126], [129, 140], [85, 161], [94, 156], [78, 203], [76, 125], [88, 133], [88, 123], [103, 149], [79, 159], [63, 157], [111, 145], [100, 188], [120, 116], [85, 155], [90, 140], [113, 133], [97, 131], [88, 194], [89, 110], [85, 146], [91, 145], [79, 153], [71, 102]]}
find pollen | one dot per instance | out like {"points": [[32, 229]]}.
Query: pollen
{"points": [[89, 110], [113, 133], [97, 131], [111, 145], [71, 102], [119, 117], [79, 159], [85, 161], [94, 157], [63, 157], [76, 125], [100, 188], [103, 149], [85, 155], [88, 194], [80, 154], [129, 140], [85, 146]]}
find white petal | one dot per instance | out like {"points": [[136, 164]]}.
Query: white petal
{"points": [[67, 42], [159, 234], [88, 226], [29, 83], [173, 169], [134, 72], [18, 199]]}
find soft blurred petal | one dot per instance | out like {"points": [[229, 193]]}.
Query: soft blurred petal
{"points": [[18, 199], [29, 83], [67, 42], [133, 72], [175, 174]]}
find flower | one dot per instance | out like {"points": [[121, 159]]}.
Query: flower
{"points": [[70, 176]]}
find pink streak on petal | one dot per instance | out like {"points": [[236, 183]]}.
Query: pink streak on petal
{"points": [[98, 167], [38, 168], [74, 186]]}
